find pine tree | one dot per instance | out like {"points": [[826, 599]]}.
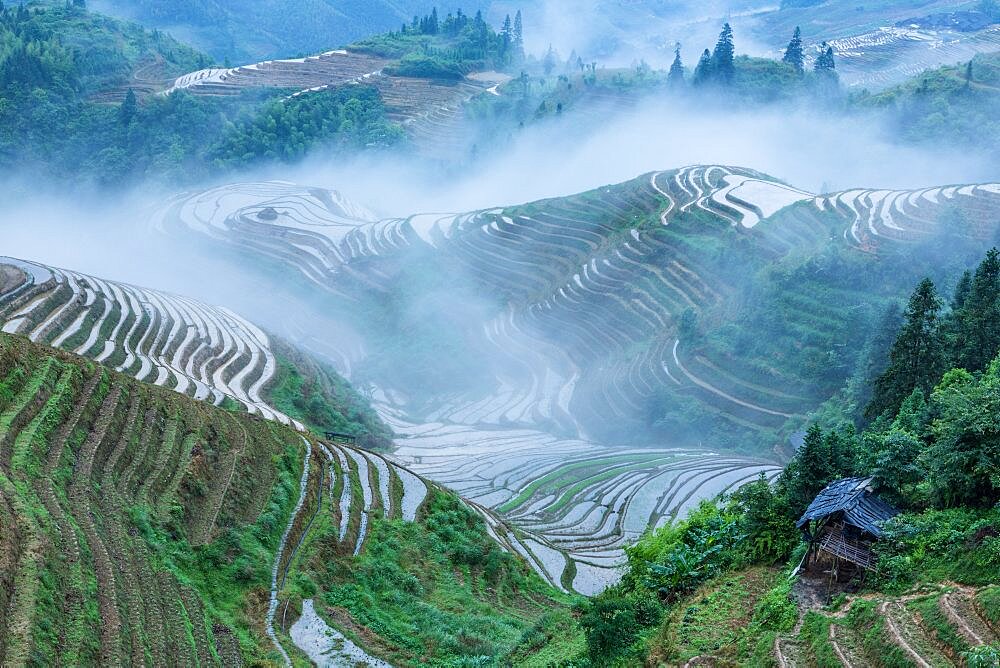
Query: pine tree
{"points": [[917, 356], [841, 449], [977, 326], [825, 63], [793, 54], [506, 38], [962, 291], [549, 62], [675, 78], [517, 36], [703, 71], [723, 58], [129, 108], [811, 470]]}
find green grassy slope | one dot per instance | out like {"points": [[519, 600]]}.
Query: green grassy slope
{"points": [[157, 519]]}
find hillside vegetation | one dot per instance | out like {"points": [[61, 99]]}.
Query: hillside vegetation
{"points": [[165, 522], [931, 600], [256, 30], [956, 105], [78, 98], [609, 342]]}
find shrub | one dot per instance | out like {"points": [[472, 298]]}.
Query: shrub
{"points": [[956, 544], [431, 67], [985, 656]]}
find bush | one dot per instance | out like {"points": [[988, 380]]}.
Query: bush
{"points": [[614, 623], [674, 559], [985, 656], [430, 67], [958, 544]]}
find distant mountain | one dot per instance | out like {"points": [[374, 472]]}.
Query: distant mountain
{"points": [[258, 29]]}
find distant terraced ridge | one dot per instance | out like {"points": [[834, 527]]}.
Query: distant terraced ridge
{"points": [[593, 288], [894, 216], [574, 270], [890, 55], [329, 68], [206, 352], [431, 111], [597, 280]]}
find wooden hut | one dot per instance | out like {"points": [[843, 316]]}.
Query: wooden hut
{"points": [[844, 520]]}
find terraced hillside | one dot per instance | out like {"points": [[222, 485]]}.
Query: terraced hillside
{"points": [[576, 503], [892, 54], [62, 308], [588, 296], [934, 626], [205, 352], [432, 111], [882, 43], [627, 316], [164, 522]]}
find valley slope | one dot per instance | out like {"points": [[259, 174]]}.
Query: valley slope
{"points": [[593, 364], [179, 530]]}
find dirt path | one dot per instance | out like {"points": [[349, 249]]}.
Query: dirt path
{"points": [[714, 390], [836, 646], [897, 637], [956, 619]]}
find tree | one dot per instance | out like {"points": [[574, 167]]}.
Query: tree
{"points": [[968, 74], [793, 53], [977, 320], [893, 460], [517, 36], [825, 63], [723, 58], [549, 62], [962, 292], [129, 108], [916, 358], [808, 472], [963, 460], [703, 71], [506, 39], [675, 78], [764, 520], [840, 445]]}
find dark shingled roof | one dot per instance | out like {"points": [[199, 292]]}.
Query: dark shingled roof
{"points": [[854, 497]]}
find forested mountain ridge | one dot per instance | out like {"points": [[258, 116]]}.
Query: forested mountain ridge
{"points": [[238, 31]]}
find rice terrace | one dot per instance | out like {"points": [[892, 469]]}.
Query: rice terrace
{"points": [[586, 335]]}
